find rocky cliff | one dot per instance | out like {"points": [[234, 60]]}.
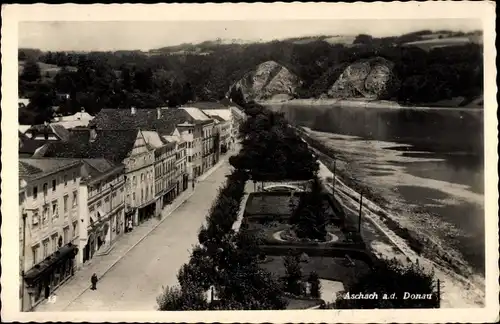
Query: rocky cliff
{"points": [[371, 79], [268, 80]]}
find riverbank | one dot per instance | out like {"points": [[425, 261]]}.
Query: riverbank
{"points": [[462, 288], [358, 103]]}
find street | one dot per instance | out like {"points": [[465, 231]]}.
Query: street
{"points": [[137, 279]]}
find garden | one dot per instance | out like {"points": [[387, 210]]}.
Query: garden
{"points": [[293, 250]]}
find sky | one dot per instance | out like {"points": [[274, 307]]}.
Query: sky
{"points": [[146, 35]]}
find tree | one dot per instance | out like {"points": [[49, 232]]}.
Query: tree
{"points": [[271, 148], [237, 96], [175, 299], [315, 284], [31, 71], [309, 218], [394, 284], [293, 273]]}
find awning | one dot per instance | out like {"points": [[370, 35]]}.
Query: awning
{"points": [[64, 253]]}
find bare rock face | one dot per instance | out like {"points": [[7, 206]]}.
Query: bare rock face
{"points": [[268, 80], [372, 79]]}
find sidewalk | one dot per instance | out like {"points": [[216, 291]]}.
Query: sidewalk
{"points": [[100, 265]]}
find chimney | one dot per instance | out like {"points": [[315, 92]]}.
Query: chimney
{"points": [[93, 133], [158, 113], [132, 110]]}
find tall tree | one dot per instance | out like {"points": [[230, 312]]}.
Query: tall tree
{"points": [[309, 218], [31, 71]]}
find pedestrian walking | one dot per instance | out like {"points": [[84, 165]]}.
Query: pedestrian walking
{"points": [[93, 280], [129, 225]]}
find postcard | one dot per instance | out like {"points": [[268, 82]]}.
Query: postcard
{"points": [[278, 162]]}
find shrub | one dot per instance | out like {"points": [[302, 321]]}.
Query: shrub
{"points": [[293, 273], [390, 279], [315, 284], [174, 298]]}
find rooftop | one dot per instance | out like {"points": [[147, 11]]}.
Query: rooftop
{"points": [[32, 168], [55, 129], [113, 145], [144, 119], [196, 113]]}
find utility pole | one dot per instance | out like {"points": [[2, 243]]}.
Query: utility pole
{"points": [[22, 260], [360, 207], [439, 293], [334, 169]]}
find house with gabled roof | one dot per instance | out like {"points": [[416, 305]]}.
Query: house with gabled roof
{"points": [[127, 146], [210, 139], [166, 122], [49, 219]]}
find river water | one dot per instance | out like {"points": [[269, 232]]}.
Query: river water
{"points": [[426, 165]]}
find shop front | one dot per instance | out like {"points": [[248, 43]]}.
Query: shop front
{"points": [[44, 278], [146, 212], [185, 181], [99, 239], [129, 219], [169, 195]]}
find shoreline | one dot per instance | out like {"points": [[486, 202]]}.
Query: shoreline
{"points": [[359, 103], [468, 289]]}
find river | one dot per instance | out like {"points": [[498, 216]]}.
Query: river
{"points": [[427, 166]]}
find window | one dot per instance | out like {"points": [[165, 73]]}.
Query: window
{"points": [[35, 218], [75, 198], [142, 195], [75, 230], [36, 253], [74, 177], [65, 203], [35, 192], [46, 248], [45, 215], [134, 181], [54, 185], [189, 158], [133, 197], [98, 205], [65, 178], [54, 243], [107, 204], [91, 213], [142, 176], [99, 187], [55, 210], [66, 235], [45, 186]]}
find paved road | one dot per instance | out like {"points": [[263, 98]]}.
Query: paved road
{"points": [[137, 279]]}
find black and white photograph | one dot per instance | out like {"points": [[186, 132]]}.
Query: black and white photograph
{"points": [[312, 159]]}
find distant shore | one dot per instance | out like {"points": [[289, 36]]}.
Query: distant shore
{"points": [[357, 103]]}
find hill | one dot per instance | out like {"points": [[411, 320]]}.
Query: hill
{"points": [[304, 67], [267, 80]]}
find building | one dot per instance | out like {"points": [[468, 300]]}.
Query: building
{"points": [[181, 170], [166, 185], [228, 111], [223, 128], [49, 225], [23, 102], [128, 147], [205, 137], [166, 122], [79, 119], [48, 132], [101, 205]]}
